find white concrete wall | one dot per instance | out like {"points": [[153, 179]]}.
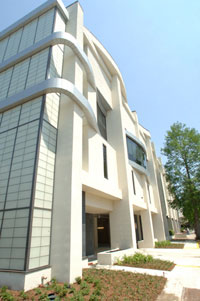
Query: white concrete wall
{"points": [[102, 81], [97, 204], [66, 248], [121, 219], [129, 125]]}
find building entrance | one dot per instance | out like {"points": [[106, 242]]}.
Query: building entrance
{"points": [[97, 233], [103, 231]]}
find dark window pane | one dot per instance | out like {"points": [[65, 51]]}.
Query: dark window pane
{"points": [[105, 168], [101, 120], [140, 219]]}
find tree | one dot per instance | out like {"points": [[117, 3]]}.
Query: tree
{"points": [[182, 149]]}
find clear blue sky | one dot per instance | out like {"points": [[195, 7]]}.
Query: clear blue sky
{"points": [[156, 44]]}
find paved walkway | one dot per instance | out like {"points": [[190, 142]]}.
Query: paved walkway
{"points": [[183, 282]]}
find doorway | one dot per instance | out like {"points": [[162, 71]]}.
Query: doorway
{"points": [[97, 236], [103, 231]]}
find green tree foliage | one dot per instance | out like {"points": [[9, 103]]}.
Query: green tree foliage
{"points": [[182, 149]]}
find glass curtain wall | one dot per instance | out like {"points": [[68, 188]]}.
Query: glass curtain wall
{"points": [[28, 135]]}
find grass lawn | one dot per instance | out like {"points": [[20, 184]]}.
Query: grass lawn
{"points": [[96, 285], [166, 244], [139, 260]]}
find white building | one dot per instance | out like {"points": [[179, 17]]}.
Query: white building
{"points": [[78, 173]]}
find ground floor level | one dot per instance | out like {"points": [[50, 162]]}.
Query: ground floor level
{"points": [[104, 228]]}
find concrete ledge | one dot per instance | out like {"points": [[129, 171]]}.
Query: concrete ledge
{"points": [[34, 279], [162, 273], [110, 257], [22, 281]]}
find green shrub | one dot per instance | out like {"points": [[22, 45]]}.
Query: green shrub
{"points": [[89, 279], [53, 280], [43, 297], [66, 285], [171, 232], [137, 258], [97, 292], [37, 291], [93, 297], [85, 291], [83, 285], [23, 295], [57, 289], [78, 296], [164, 243], [5, 295], [72, 290], [63, 292], [78, 280], [4, 289]]}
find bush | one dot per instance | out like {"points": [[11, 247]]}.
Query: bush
{"points": [[78, 280], [171, 232], [137, 258], [164, 243], [23, 295], [168, 245], [146, 262]]}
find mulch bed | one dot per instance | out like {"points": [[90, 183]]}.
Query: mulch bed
{"points": [[100, 285]]}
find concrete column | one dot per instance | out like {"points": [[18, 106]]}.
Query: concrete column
{"points": [[66, 243], [158, 223], [72, 67], [147, 225], [85, 148], [75, 23], [122, 227], [147, 228], [163, 203]]}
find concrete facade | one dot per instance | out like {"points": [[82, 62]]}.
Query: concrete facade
{"points": [[78, 173]]}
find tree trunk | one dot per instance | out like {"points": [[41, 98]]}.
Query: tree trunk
{"points": [[197, 224]]}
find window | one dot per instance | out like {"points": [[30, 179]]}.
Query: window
{"points": [[101, 120], [133, 183], [101, 114], [136, 152], [105, 168], [140, 219]]}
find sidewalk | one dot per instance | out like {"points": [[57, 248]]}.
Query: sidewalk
{"points": [[183, 283]]}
